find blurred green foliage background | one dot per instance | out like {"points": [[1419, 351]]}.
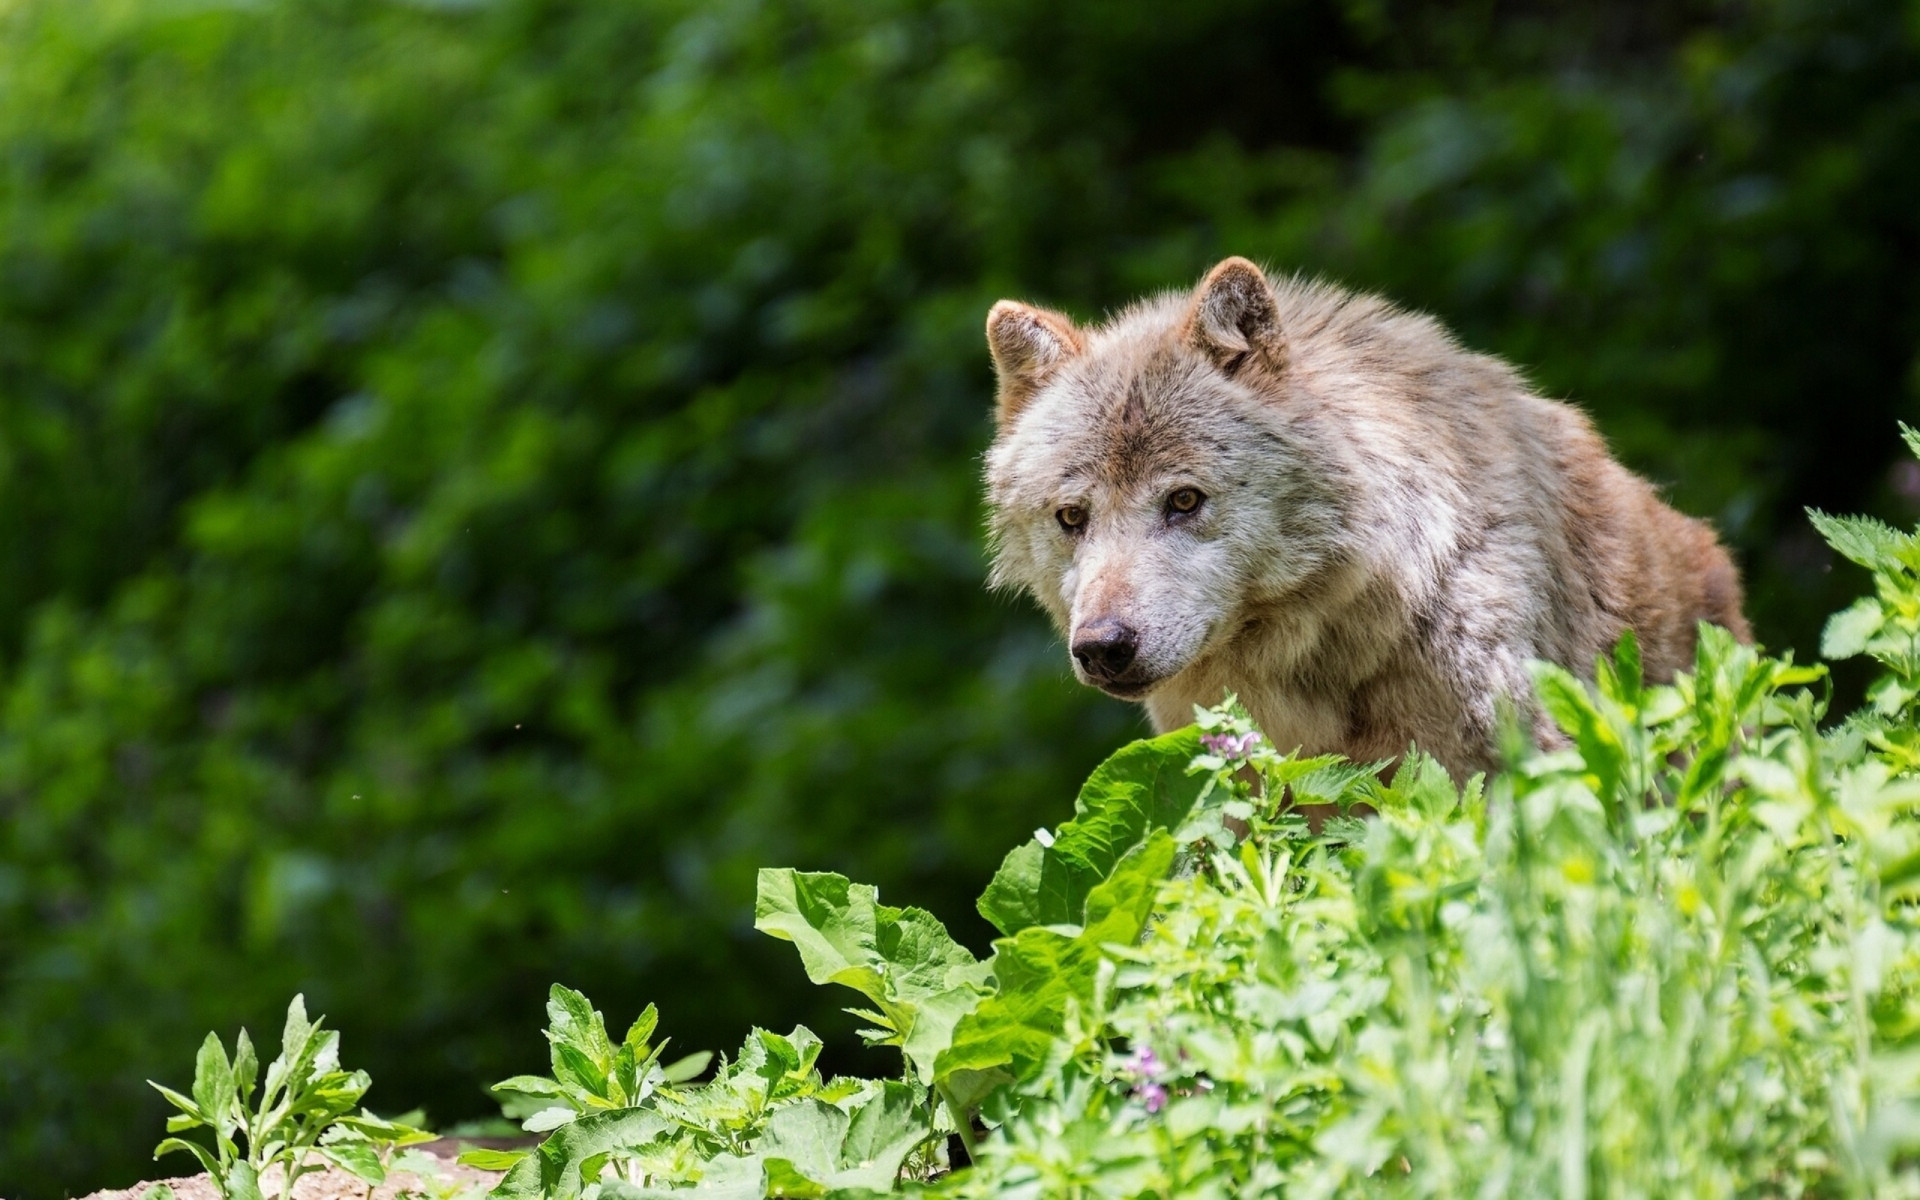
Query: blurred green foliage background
{"points": [[478, 479]]}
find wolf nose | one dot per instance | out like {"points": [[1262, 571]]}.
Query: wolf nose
{"points": [[1105, 648]]}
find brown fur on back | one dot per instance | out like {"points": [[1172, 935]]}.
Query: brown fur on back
{"points": [[1391, 525]]}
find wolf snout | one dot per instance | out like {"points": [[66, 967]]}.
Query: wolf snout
{"points": [[1105, 648]]}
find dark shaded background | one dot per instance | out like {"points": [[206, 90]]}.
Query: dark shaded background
{"points": [[478, 479]]}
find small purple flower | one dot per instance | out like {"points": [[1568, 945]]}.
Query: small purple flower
{"points": [[1142, 1065], [1153, 1094], [1228, 745]]}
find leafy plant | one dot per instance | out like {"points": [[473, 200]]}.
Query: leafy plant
{"points": [[1678, 956], [766, 1120], [590, 1072], [1884, 625], [305, 1112]]}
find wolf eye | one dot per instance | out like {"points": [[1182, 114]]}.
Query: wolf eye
{"points": [[1072, 518], [1184, 502]]}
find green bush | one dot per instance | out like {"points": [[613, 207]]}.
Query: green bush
{"points": [[1678, 957], [476, 479]]}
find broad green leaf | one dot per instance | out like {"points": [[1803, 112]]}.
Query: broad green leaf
{"points": [[1873, 544], [581, 1052], [572, 1066], [846, 936], [1627, 674], [419, 1162], [548, 1119], [243, 1183], [1574, 710], [830, 920], [1890, 695], [963, 1088], [246, 1069], [634, 1058], [807, 1134], [333, 1094], [730, 1177], [786, 1179], [778, 1057], [921, 958], [1039, 969], [1326, 780], [1117, 910], [357, 1157], [396, 1131], [1849, 630], [882, 1133], [170, 1145], [1043, 968], [1421, 785], [901, 959], [213, 1086], [811, 1147], [1703, 776], [529, 1085], [491, 1160], [931, 1028], [187, 1106], [1012, 899], [640, 1033], [1142, 788], [680, 1070], [297, 1052], [523, 1178]]}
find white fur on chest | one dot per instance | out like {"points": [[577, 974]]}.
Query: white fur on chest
{"points": [[1289, 719]]}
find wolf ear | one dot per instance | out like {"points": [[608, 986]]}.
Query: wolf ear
{"points": [[1236, 318], [1028, 344]]}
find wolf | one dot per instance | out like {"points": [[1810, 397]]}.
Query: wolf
{"points": [[1324, 504]]}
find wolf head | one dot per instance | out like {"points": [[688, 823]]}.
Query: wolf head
{"points": [[1157, 483]]}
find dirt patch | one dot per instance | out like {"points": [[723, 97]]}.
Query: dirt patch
{"points": [[446, 1179]]}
